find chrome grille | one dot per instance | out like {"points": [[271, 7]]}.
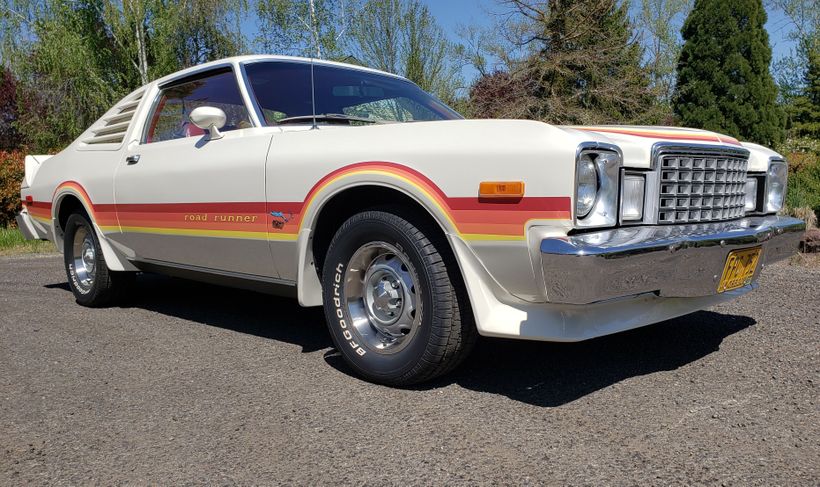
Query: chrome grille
{"points": [[701, 187]]}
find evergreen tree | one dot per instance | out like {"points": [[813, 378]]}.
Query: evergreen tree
{"points": [[724, 83], [805, 109], [582, 65]]}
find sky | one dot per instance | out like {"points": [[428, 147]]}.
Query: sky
{"points": [[451, 14]]}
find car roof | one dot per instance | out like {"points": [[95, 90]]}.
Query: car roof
{"points": [[231, 61]]}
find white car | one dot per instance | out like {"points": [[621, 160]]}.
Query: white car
{"points": [[416, 230]]}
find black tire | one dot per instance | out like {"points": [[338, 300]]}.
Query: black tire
{"points": [[441, 337], [105, 287]]}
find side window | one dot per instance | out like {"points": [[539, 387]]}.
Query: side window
{"points": [[170, 117], [282, 89]]}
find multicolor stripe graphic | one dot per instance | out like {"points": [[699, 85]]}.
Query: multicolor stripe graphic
{"points": [[670, 134], [39, 210], [471, 218], [105, 216]]}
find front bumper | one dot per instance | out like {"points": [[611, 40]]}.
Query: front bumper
{"points": [[671, 261]]}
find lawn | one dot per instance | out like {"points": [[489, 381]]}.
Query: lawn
{"points": [[12, 242]]}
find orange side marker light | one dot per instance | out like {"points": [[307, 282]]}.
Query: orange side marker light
{"points": [[501, 190]]}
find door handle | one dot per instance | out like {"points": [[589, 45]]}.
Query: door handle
{"points": [[132, 159]]}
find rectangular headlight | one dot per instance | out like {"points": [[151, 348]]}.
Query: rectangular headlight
{"points": [[633, 196], [751, 195], [776, 179]]}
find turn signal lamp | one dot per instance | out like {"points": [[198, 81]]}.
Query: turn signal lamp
{"points": [[633, 195], [501, 189]]}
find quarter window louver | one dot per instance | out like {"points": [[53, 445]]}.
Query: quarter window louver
{"points": [[112, 128]]}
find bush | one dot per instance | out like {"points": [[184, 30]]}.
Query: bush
{"points": [[12, 170], [803, 155]]}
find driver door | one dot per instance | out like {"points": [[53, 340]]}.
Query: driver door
{"points": [[186, 200]]}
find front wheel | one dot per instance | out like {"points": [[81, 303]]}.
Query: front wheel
{"points": [[92, 283], [394, 300]]}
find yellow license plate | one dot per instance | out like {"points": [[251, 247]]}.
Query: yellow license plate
{"points": [[739, 269]]}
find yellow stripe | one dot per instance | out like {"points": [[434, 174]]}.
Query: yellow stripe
{"points": [[292, 237], [426, 193], [431, 198], [488, 237], [208, 233]]}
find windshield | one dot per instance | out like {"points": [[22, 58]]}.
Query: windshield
{"points": [[375, 96], [341, 95]]}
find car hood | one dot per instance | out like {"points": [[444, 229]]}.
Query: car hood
{"points": [[636, 142], [516, 137]]}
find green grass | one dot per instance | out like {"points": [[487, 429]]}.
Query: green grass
{"points": [[12, 242]]}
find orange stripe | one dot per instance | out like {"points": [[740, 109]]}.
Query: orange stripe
{"points": [[670, 134], [471, 218]]}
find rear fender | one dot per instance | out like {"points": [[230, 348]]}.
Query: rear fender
{"points": [[115, 260]]}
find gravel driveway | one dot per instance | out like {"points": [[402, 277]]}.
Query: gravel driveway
{"points": [[194, 384]]}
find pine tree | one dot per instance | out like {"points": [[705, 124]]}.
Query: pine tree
{"points": [[583, 66], [806, 107], [724, 83]]}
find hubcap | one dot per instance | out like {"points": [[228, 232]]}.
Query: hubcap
{"points": [[85, 259], [381, 289]]}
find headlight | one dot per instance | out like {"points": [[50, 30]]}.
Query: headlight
{"points": [[597, 170], [751, 195], [776, 180], [587, 185]]}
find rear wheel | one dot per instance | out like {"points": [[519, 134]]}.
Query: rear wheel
{"points": [[394, 300], [92, 283]]}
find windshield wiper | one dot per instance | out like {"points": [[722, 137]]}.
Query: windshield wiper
{"points": [[327, 117]]}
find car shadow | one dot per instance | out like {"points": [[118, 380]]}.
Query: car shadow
{"points": [[248, 312], [538, 373], [553, 374]]}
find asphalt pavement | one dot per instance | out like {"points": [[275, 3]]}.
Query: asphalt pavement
{"points": [[196, 384]]}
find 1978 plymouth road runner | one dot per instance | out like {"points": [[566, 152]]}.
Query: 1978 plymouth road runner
{"points": [[308, 178]]}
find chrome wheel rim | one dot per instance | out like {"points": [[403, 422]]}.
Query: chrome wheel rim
{"points": [[85, 259], [382, 297]]}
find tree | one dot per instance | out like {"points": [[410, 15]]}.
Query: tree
{"points": [[65, 72], [790, 70], [191, 32], [497, 95], [805, 108], [73, 60], [402, 37], [9, 139], [310, 28], [659, 22], [724, 83], [579, 63]]}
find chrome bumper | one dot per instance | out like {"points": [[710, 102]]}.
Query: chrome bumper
{"points": [[672, 261]]}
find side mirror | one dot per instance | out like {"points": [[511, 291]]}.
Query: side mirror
{"points": [[209, 118]]}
